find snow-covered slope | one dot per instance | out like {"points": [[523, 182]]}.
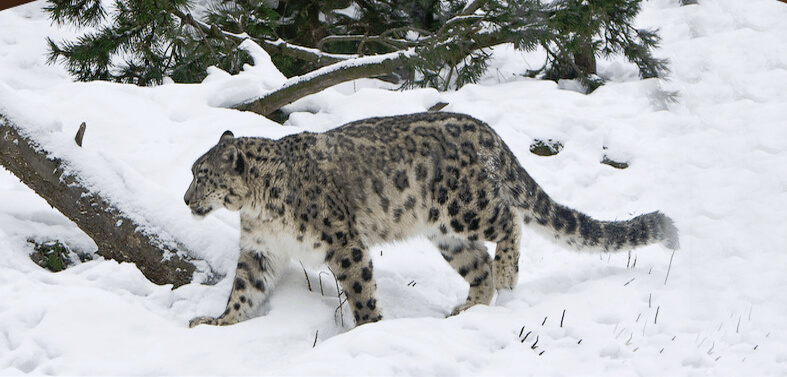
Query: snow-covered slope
{"points": [[715, 162]]}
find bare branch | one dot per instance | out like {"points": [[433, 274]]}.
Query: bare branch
{"points": [[311, 55], [384, 38], [406, 28], [388, 42]]}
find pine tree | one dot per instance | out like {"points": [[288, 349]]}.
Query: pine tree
{"points": [[147, 40], [584, 29]]}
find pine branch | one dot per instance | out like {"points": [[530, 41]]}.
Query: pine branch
{"points": [[76, 12], [448, 45], [277, 47], [307, 54]]}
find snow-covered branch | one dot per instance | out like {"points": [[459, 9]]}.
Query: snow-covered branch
{"points": [[277, 47], [326, 77], [117, 236]]}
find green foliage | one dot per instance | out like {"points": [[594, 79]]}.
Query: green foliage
{"points": [[54, 256], [146, 40], [80, 12], [585, 29], [305, 22], [572, 32], [450, 57], [143, 41]]}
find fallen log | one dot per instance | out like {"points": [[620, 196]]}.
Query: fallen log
{"points": [[117, 236]]}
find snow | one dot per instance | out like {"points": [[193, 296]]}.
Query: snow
{"points": [[714, 161]]}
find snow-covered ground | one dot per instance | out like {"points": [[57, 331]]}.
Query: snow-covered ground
{"points": [[716, 162]]}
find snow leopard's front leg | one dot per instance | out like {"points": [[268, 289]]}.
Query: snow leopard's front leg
{"points": [[255, 277], [352, 265]]}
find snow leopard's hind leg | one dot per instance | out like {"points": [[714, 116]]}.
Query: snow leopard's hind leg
{"points": [[471, 260], [506, 263]]}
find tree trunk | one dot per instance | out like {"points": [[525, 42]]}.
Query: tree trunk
{"points": [[115, 234], [585, 59]]}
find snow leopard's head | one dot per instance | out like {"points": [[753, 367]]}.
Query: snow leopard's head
{"points": [[218, 178]]}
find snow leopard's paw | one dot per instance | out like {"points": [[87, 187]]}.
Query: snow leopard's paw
{"points": [[203, 321]]}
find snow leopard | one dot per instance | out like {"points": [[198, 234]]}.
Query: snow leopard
{"points": [[327, 197]]}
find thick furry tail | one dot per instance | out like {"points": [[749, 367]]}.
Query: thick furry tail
{"points": [[577, 230], [581, 232]]}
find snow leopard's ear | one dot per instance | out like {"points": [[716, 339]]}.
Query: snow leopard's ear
{"points": [[227, 135], [233, 159], [232, 155]]}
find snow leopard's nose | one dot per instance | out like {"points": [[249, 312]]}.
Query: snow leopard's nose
{"points": [[189, 194]]}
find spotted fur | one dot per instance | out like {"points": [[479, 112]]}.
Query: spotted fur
{"points": [[327, 197]]}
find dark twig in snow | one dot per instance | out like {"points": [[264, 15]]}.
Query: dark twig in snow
{"points": [[339, 309], [320, 278], [80, 134], [669, 267], [339, 295], [308, 283]]}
